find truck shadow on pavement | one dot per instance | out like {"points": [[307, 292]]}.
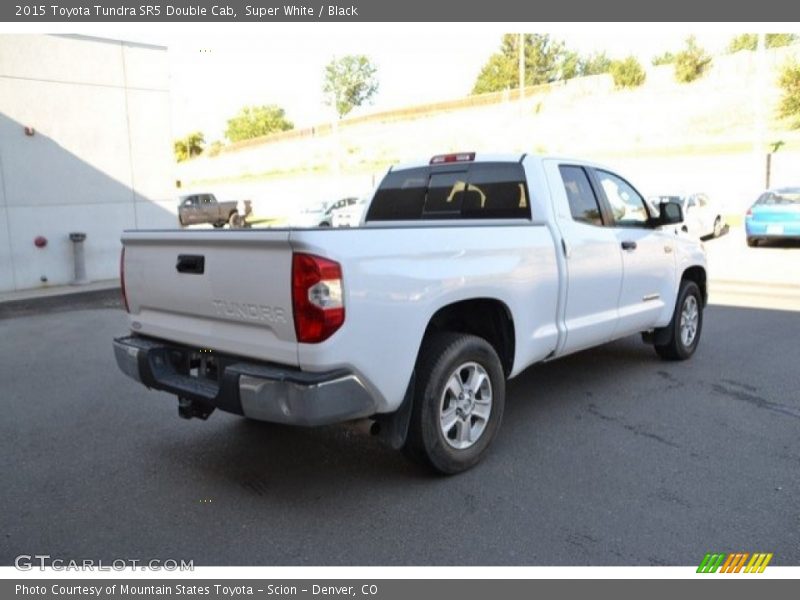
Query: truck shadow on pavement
{"points": [[621, 386]]}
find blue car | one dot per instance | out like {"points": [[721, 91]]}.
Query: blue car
{"points": [[774, 216]]}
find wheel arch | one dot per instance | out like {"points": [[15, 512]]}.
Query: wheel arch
{"points": [[487, 318], [698, 275]]}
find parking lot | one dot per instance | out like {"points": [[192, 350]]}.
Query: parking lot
{"points": [[607, 457]]}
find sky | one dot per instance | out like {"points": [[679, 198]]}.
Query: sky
{"points": [[214, 74]]}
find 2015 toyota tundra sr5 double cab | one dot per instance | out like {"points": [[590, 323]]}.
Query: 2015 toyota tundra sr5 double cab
{"points": [[467, 269]]}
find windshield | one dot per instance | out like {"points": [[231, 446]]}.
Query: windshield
{"points": [[787, 196]]}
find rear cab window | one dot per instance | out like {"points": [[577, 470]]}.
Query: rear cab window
{"points": [[482, 190]]}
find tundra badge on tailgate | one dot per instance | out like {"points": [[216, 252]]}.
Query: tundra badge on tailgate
{"points": [[250, 312]]}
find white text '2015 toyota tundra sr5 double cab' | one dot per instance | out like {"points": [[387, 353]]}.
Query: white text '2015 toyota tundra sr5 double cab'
{"points": [[467, 269]]}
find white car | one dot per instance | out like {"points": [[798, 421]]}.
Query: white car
{"points": [[322, 214], [350, 216], [468, 270], [702, 216]]}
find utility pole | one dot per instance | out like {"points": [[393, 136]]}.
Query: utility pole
{"points": [[521, 44]]}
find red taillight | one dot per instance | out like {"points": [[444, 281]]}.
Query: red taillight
{"points": [[122, 279], [317, 297], [749, 212], [441, 159]]}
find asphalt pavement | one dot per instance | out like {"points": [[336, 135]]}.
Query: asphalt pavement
{"points": [[607, 457]]}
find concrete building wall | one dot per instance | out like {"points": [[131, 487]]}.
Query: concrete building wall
{"points": [[99, 160]]}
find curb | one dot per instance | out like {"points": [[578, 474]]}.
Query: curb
{"points": [[108, 297]]}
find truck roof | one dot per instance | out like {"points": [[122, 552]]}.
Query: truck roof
{"points": [[495, 157]]}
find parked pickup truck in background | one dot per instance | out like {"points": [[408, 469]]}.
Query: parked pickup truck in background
{"points": [[204, 208], [468, 269]]}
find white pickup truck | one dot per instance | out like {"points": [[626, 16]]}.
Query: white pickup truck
{"points": [[467, 270]]}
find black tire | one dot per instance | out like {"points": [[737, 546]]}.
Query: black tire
{"points": [[219, 225], [440, 358], [752, 242], [676, 347]]}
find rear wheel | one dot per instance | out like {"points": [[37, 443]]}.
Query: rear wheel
{"points": [[686, 325], [233, 219], [459, 398]]}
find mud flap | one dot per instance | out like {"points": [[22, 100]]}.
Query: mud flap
{"points": [[393, 427]]}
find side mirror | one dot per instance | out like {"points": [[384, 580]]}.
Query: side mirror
{"points": [[669, 213]]}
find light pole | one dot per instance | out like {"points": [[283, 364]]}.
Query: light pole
{"points": [[521, 44]]}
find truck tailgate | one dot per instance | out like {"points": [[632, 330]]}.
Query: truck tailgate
{"points": [[228, 291]]}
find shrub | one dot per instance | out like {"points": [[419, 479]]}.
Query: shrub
{"points": [[663, 59], [749, 41], [691, 62], [627, 73]]}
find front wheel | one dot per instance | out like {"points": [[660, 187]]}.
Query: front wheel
{"points": [[686, 325], [459, 398]]}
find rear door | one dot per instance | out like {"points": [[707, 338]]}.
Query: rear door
{"points": [[592, 256], [228, 291], [648, 255]]}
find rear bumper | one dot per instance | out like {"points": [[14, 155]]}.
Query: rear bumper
{"points": [[768, 230], [256, 390]]}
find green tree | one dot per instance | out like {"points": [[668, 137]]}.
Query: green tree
{"points": [[571, 65], [189, 146], [595, 64], [575, 65], [544, 63], [789, 107], [627, 73], [349, 82], [749, 41], [256, 121], [691, 62], [667, 58]]}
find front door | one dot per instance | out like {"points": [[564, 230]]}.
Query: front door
{"points": [[648, 256]]}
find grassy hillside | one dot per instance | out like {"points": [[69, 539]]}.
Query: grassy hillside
{"points": [[583, 117]]}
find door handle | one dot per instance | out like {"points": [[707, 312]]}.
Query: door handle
{"points": [[191, 263], [629, 245]]}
